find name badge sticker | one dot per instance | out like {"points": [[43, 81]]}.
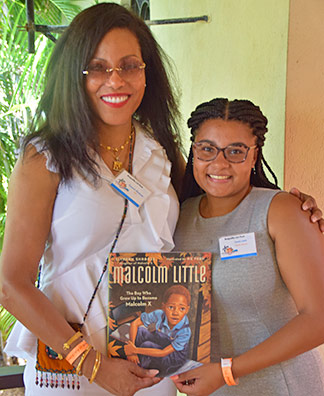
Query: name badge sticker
{"points": [[129, 187], [236, 246]]}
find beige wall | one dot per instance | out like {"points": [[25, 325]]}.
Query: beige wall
{"points": [[240, 53], [304, 146]]}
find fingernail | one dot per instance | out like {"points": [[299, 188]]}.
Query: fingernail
{"points": [[174, 377], [154, 372]]}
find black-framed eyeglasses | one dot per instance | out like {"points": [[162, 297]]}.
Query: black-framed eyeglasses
{"points": [[234, 152], [129, 71]]}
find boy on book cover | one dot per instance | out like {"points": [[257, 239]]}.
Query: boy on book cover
{"points": [[160, 339]]}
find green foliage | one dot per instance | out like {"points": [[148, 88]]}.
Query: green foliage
{"points": [[52, 12], [21, 85], [21, 76], [6, 323]]}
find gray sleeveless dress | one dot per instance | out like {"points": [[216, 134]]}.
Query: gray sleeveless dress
{"points": [[250, 299]]}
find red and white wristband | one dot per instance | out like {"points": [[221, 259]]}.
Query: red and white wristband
{"points": [[226, 365]]}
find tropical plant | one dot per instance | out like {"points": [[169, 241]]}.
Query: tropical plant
{"points": [[21, 85], [21, 76], [6, 323]]}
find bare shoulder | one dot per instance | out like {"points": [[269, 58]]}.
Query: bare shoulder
{"points": [[31, 172], [32, 190], [31, 197], [285, 200], [286, 215]]}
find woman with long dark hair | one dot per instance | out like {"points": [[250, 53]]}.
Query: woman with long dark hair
{"points": [[107, 108]]}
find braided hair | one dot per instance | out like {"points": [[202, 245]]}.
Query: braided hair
{"points": [[236, 110]]}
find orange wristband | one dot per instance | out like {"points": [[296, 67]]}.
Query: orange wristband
{"points": [[226, 365], [76, 352]]}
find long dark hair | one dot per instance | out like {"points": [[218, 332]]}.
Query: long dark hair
{"points": [[239, 110], [64, 121]]}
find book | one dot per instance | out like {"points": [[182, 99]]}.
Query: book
{"points": [[159, 311]]}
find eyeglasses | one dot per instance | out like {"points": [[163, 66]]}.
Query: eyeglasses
{"points": [[234, 152], [128, 71]]}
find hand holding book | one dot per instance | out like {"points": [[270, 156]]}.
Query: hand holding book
{"points": [[159, 309]]}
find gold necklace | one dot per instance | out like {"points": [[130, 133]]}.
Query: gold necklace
{"points": [[117, 163]]}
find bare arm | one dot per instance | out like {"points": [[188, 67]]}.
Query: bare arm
{"points": [[181, 165], [31, 199], [299, 249]]}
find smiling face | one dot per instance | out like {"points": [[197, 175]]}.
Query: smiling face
{"points": [[220, 178], [175, 309], [114, 100]]}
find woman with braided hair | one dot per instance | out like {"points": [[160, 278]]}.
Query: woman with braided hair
{"points": [[240, 110], [268, 273]]}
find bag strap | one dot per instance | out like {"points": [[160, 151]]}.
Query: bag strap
{"points": [[130, 160], [104, 269]]}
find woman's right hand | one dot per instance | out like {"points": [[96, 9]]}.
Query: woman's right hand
{"points": [[119, 376], [201, 381]]}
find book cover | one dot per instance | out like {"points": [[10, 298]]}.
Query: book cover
{"points": [[160, 309]]}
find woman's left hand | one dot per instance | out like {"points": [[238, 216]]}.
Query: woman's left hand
{"points": [[309, 203], [201, 381]]}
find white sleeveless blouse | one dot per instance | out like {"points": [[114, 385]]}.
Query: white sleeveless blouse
{"points": [[84, 224]]}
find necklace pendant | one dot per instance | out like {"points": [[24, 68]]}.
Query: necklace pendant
{"points": [[117, 165]]}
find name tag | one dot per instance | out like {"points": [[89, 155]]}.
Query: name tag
{"points": [[129, 187], [235, 246]]}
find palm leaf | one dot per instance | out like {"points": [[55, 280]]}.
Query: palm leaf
{"points": [[6, 323], [69, 9], [55, 12]]}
